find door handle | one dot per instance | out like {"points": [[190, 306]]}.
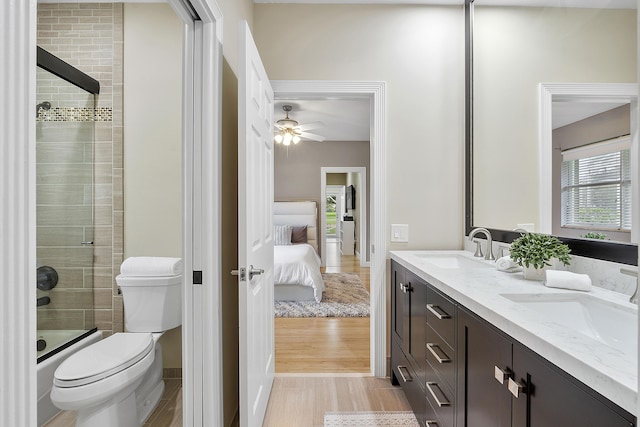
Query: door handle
{"points": [[254, 272], [242, 272], [516, 388], [501, 375], [431, 423]]}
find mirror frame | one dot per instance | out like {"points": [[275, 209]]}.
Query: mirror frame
{"points": [[607, 251]]}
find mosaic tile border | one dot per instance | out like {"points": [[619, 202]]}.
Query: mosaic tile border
{"points": [[76, 114]]}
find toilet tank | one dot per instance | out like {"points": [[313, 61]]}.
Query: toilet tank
{"points": [[151, 304]]}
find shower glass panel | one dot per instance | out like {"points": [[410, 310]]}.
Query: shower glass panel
{"points": [[65, 214]]}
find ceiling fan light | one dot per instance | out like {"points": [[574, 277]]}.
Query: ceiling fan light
{"points": [[296, 139], [287, 138], [278, 138]]}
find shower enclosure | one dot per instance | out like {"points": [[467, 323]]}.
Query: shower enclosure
{"points": [[64, 114]]}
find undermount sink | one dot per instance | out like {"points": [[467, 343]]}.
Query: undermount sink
{"points": [[613, 324], [451, 261]]}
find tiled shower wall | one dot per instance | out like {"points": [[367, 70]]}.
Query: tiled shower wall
{"points": [[90, 37]]}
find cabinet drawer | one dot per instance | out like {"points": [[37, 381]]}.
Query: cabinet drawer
{"points": [[441, 357], [411, 385], [441, 400], [441, 315]]}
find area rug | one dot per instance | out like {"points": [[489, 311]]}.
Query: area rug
{"points": [[344, 296], [370, 419]]}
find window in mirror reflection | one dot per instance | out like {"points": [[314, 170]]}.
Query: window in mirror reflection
{"points": [[596, 188]]}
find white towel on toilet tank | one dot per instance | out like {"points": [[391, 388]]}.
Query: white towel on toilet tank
{"points": [[568, 280], [151, 266]]}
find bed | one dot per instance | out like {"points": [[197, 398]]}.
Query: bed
{"points": [[296, 270]]}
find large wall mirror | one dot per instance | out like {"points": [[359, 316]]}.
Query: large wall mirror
{"points": [[545, 84]]}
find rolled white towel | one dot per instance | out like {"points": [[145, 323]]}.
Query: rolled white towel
{"points": [[151, 266], [506, 264], [568, 280]]}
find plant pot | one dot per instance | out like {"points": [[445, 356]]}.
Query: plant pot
{"points": [[531, 273]]}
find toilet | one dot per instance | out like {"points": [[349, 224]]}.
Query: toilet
{"points": [[117, 382]]}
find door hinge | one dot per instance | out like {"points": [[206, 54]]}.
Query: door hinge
{"points": [[241, 272]]}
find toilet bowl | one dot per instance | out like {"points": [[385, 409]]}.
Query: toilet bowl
{"points": [[117, 382]]}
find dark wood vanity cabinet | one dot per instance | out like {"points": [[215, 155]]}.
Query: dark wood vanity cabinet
{"points": [[502, 383], [408, 323], [457, 370]]}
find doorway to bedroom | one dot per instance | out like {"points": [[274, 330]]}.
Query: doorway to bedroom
{"points": [[316, 342]]}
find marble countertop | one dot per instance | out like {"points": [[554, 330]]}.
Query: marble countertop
{"points": [[611, 371]]}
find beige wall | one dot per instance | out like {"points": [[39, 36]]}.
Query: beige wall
{"points": [[297, 174], [152, 141], [418, 51]]}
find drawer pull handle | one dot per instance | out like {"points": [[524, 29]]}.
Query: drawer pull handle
{"points": [[437, 352], [516, 388], [407, 378], [439, 313], [438, 395], [431, 423], [501, 375]]}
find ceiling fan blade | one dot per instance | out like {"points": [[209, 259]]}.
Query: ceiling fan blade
{"points": [[312, 136], [310, 125]]}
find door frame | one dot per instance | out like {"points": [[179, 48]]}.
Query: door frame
{"points": [[375, 91], [362, 205], [201, 134]]}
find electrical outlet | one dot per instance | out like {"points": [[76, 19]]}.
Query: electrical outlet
{"points": [[400, 232]]}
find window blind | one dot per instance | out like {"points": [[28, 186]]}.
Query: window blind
{"points": [[596, 186]]}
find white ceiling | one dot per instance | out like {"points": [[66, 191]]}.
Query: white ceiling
{"points": [[343, 119], [565, 113]]}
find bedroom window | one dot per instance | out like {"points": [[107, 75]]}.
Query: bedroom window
{"points": [[596, 186]]}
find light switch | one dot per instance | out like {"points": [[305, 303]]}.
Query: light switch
{"points": [[399, 232]]}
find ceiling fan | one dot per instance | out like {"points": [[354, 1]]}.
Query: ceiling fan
{"points": [[290, 131]]}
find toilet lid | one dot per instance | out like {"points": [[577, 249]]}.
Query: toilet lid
{"points": [[103, 359]]}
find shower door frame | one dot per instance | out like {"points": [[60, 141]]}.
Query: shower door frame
{"points": [[202, 77]]}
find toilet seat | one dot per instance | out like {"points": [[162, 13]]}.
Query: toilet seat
{"points": [[103, 359]]}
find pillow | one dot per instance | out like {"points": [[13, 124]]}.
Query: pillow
{"points": [[299, 234], [282, 235]]}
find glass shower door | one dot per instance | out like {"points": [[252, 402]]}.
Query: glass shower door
{"points": [[65, 211]]}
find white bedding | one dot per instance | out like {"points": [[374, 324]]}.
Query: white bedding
{"points": [[298, 264]]}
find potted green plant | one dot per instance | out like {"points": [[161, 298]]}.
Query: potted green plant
{"points": [[534, 252]]}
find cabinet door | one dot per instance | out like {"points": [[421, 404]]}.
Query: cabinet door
{"points": [[417, 324], [552, 398], [482, 400], [400, 309]]}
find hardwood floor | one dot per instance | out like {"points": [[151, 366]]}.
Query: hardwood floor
{"points": [[301, 401], [308, 352], [325, 344]]}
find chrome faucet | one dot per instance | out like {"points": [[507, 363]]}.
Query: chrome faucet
{"points": [[629, 272], [489, 255]]}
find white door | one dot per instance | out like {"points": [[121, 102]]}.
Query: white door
{"points": [[255, 232]]}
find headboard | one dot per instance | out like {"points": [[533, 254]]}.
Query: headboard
{"points": [[298, 213]]}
